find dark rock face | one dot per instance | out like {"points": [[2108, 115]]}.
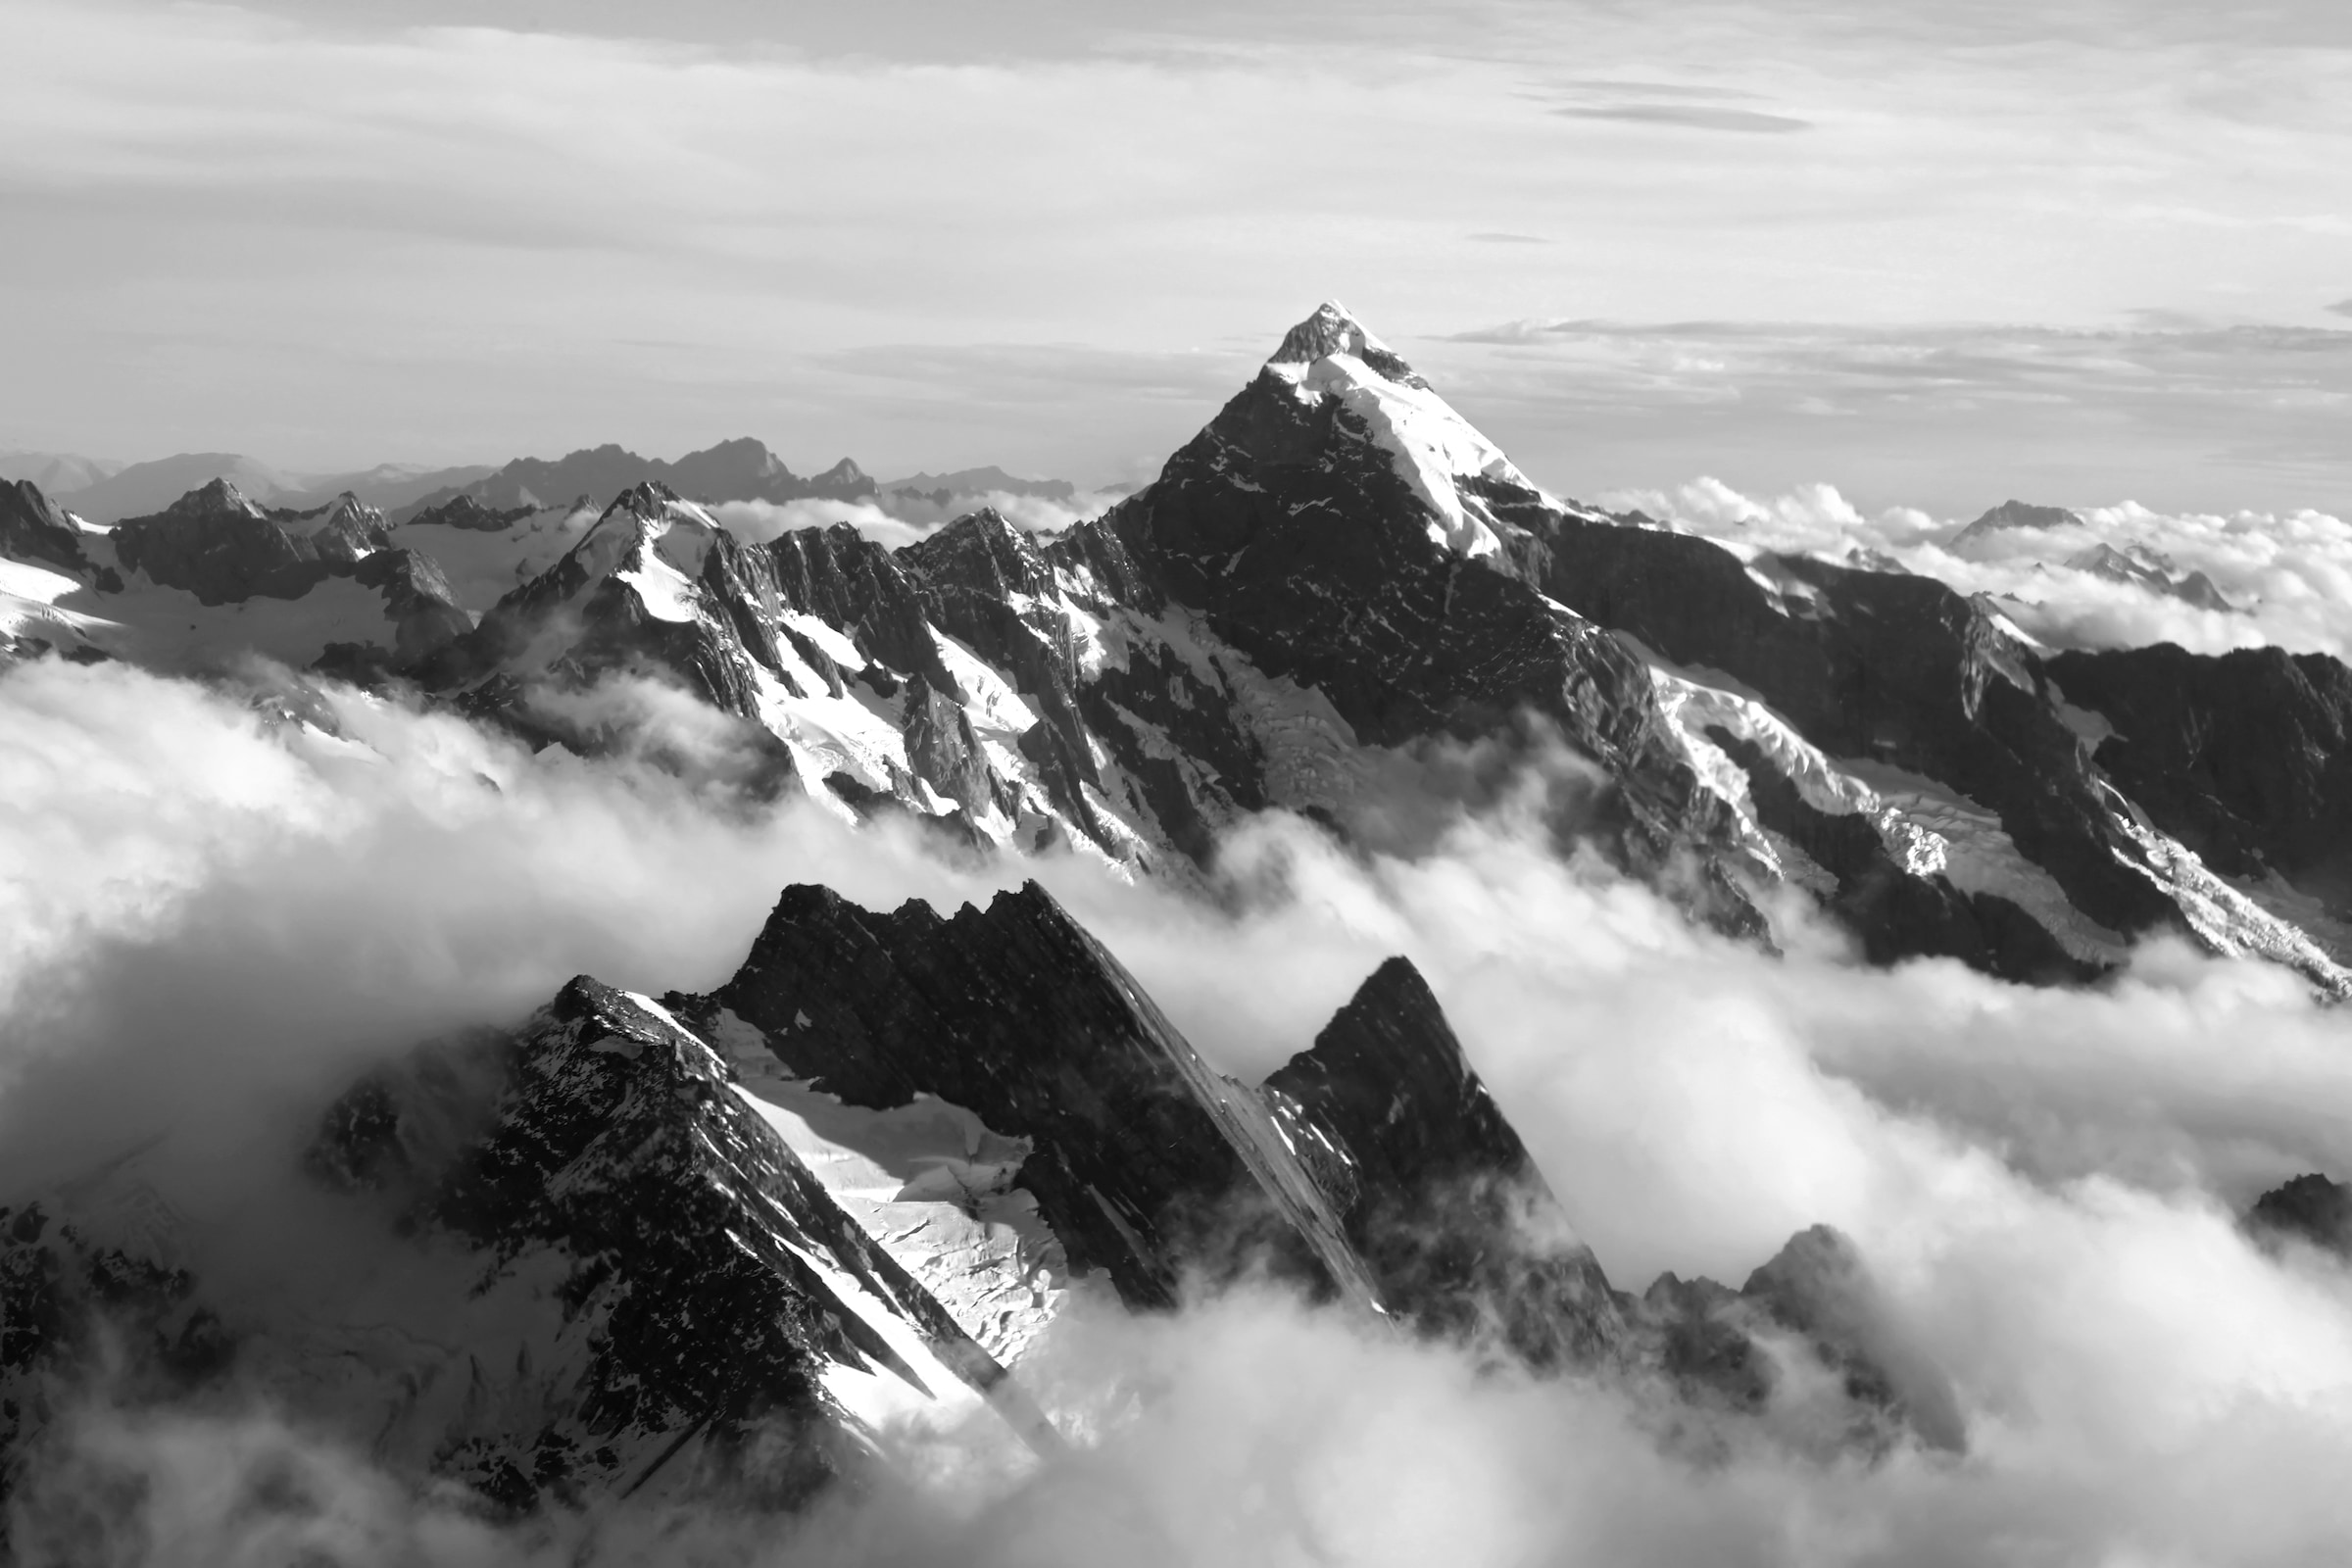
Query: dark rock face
{"points": [[2245, 758], [1436, 1192], [1146, 1162], [34, 529], [1872, 666], [418, 600], [1288, 528], [1893, 914], [2310, 1209], [1816, 1296]]}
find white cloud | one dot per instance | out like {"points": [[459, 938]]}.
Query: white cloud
{"points": [[760, 521], [906, 521]]}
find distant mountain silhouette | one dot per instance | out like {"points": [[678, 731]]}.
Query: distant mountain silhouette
{"points": [[741, 469]]}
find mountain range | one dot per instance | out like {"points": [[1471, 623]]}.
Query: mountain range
{"points": [[744, 469], [641, 1243]]}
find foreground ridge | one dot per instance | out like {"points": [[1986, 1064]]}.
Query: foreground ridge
{"points": [[617, 1253]]}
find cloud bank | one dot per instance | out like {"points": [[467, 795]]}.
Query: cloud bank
{"points": [[2288, 575]]}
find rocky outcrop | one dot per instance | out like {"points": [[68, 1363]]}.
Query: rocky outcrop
{"points": [[1809, 1340], [2308, 1208], [1457, 1228]]}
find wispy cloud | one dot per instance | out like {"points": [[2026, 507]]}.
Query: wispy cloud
{"points": [[1692, 117], [2287, 577]]}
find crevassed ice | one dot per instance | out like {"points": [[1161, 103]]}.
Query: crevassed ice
{"points": [[2229, 921], [1927, 827]]}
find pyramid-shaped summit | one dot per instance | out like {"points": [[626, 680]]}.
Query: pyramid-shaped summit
{"points": [[219, 497], [1446, 462]]}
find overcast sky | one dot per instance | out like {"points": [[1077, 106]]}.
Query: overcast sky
{"points": [[2078, 252]]}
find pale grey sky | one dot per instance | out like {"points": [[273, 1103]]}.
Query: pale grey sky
{"points": [[2080, 249]]}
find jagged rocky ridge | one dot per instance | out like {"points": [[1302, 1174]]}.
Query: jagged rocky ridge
{"points": [[600, 1264], [1373, 1168]]}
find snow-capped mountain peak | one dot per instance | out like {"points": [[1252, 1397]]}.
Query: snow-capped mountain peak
{"points": [[1334, 329], [1330, 356], [655, 543]]}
